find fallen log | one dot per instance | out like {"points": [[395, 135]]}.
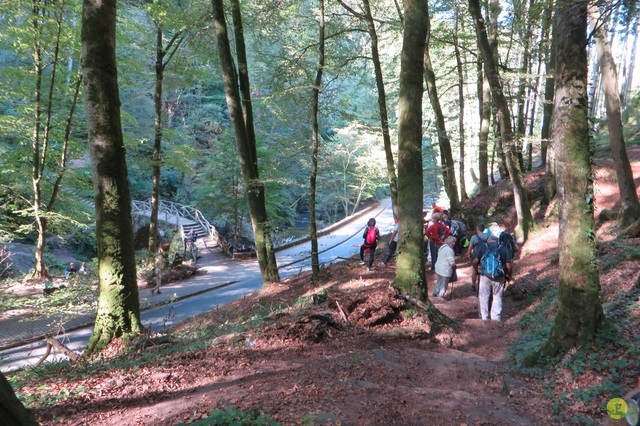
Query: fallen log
{"points": [[62, 348], [413, 300], [46, 354], [342, 312]]}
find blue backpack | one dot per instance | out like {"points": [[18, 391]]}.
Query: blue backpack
{"points": [[490, 264]]}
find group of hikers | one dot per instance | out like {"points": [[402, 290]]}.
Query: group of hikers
{"points": [[491, 250]]}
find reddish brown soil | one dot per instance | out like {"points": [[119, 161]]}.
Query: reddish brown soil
{"points": [[359, 371]]}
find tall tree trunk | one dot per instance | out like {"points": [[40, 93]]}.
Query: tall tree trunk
{"points": [[547, 155], [525, 67], [382, 101], [42, 131], [484, 107], [39, 215], [382, 106], [521, 199], [549, 86], [254, 188], [245, 85], [118, 301], [410, 272], [157, 143], [315, 261], [579, 307], [259, 218], [12, 412], [446, 156], [631, 63], [497, 154], [533, 93], [163, 56], [628, 196], [39, 153], [461, 160]]}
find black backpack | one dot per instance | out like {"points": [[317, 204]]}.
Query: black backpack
{"points": [[441, 231], [507, 240]]}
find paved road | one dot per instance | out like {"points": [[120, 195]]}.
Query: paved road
{"points": [[219, 280]]}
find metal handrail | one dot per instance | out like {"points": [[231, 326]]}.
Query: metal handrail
{"points": [[173, 212]]}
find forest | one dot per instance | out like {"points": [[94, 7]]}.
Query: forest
{"points": [[276, 118]]}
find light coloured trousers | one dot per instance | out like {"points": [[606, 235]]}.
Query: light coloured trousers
{"points": [[488, 287], [441, 285]]}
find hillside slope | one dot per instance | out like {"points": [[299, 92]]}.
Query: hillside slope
{"points": [[346, 350]]}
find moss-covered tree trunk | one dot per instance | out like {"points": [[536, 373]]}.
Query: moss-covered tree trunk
{"points": [[247, 155], [579, 307], [503, 115], [12, 412], [446, 156], [629, 198], [410, 272], [118, 312]]}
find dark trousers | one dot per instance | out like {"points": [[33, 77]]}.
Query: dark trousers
{"points": [[457, 248], [372, 250], [390, 251], [433, 247]]}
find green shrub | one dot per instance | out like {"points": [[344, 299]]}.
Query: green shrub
{"points": [[232, 417]]}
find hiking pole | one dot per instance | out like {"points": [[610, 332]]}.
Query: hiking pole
{"points": [[453, 274]]}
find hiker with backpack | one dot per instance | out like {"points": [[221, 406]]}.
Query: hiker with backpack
{"points": [[370, 236], [445, 266], [476, 240], [437, 233], [393, 244], [492, 263], [509, 241], [458, 229], [505, 238]]}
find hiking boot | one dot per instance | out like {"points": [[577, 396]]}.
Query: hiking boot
{"points": [[368, 269], [362, 262]]}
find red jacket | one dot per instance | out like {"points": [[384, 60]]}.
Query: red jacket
{"points": [[437, 233]]}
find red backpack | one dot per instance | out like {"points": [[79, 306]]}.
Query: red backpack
{"points": [[372, 235]]}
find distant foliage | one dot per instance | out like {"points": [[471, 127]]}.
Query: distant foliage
{"points": [[84, 241]]}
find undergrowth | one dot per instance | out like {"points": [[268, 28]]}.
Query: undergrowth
{"points": [[581, 382], [231, 416]]}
